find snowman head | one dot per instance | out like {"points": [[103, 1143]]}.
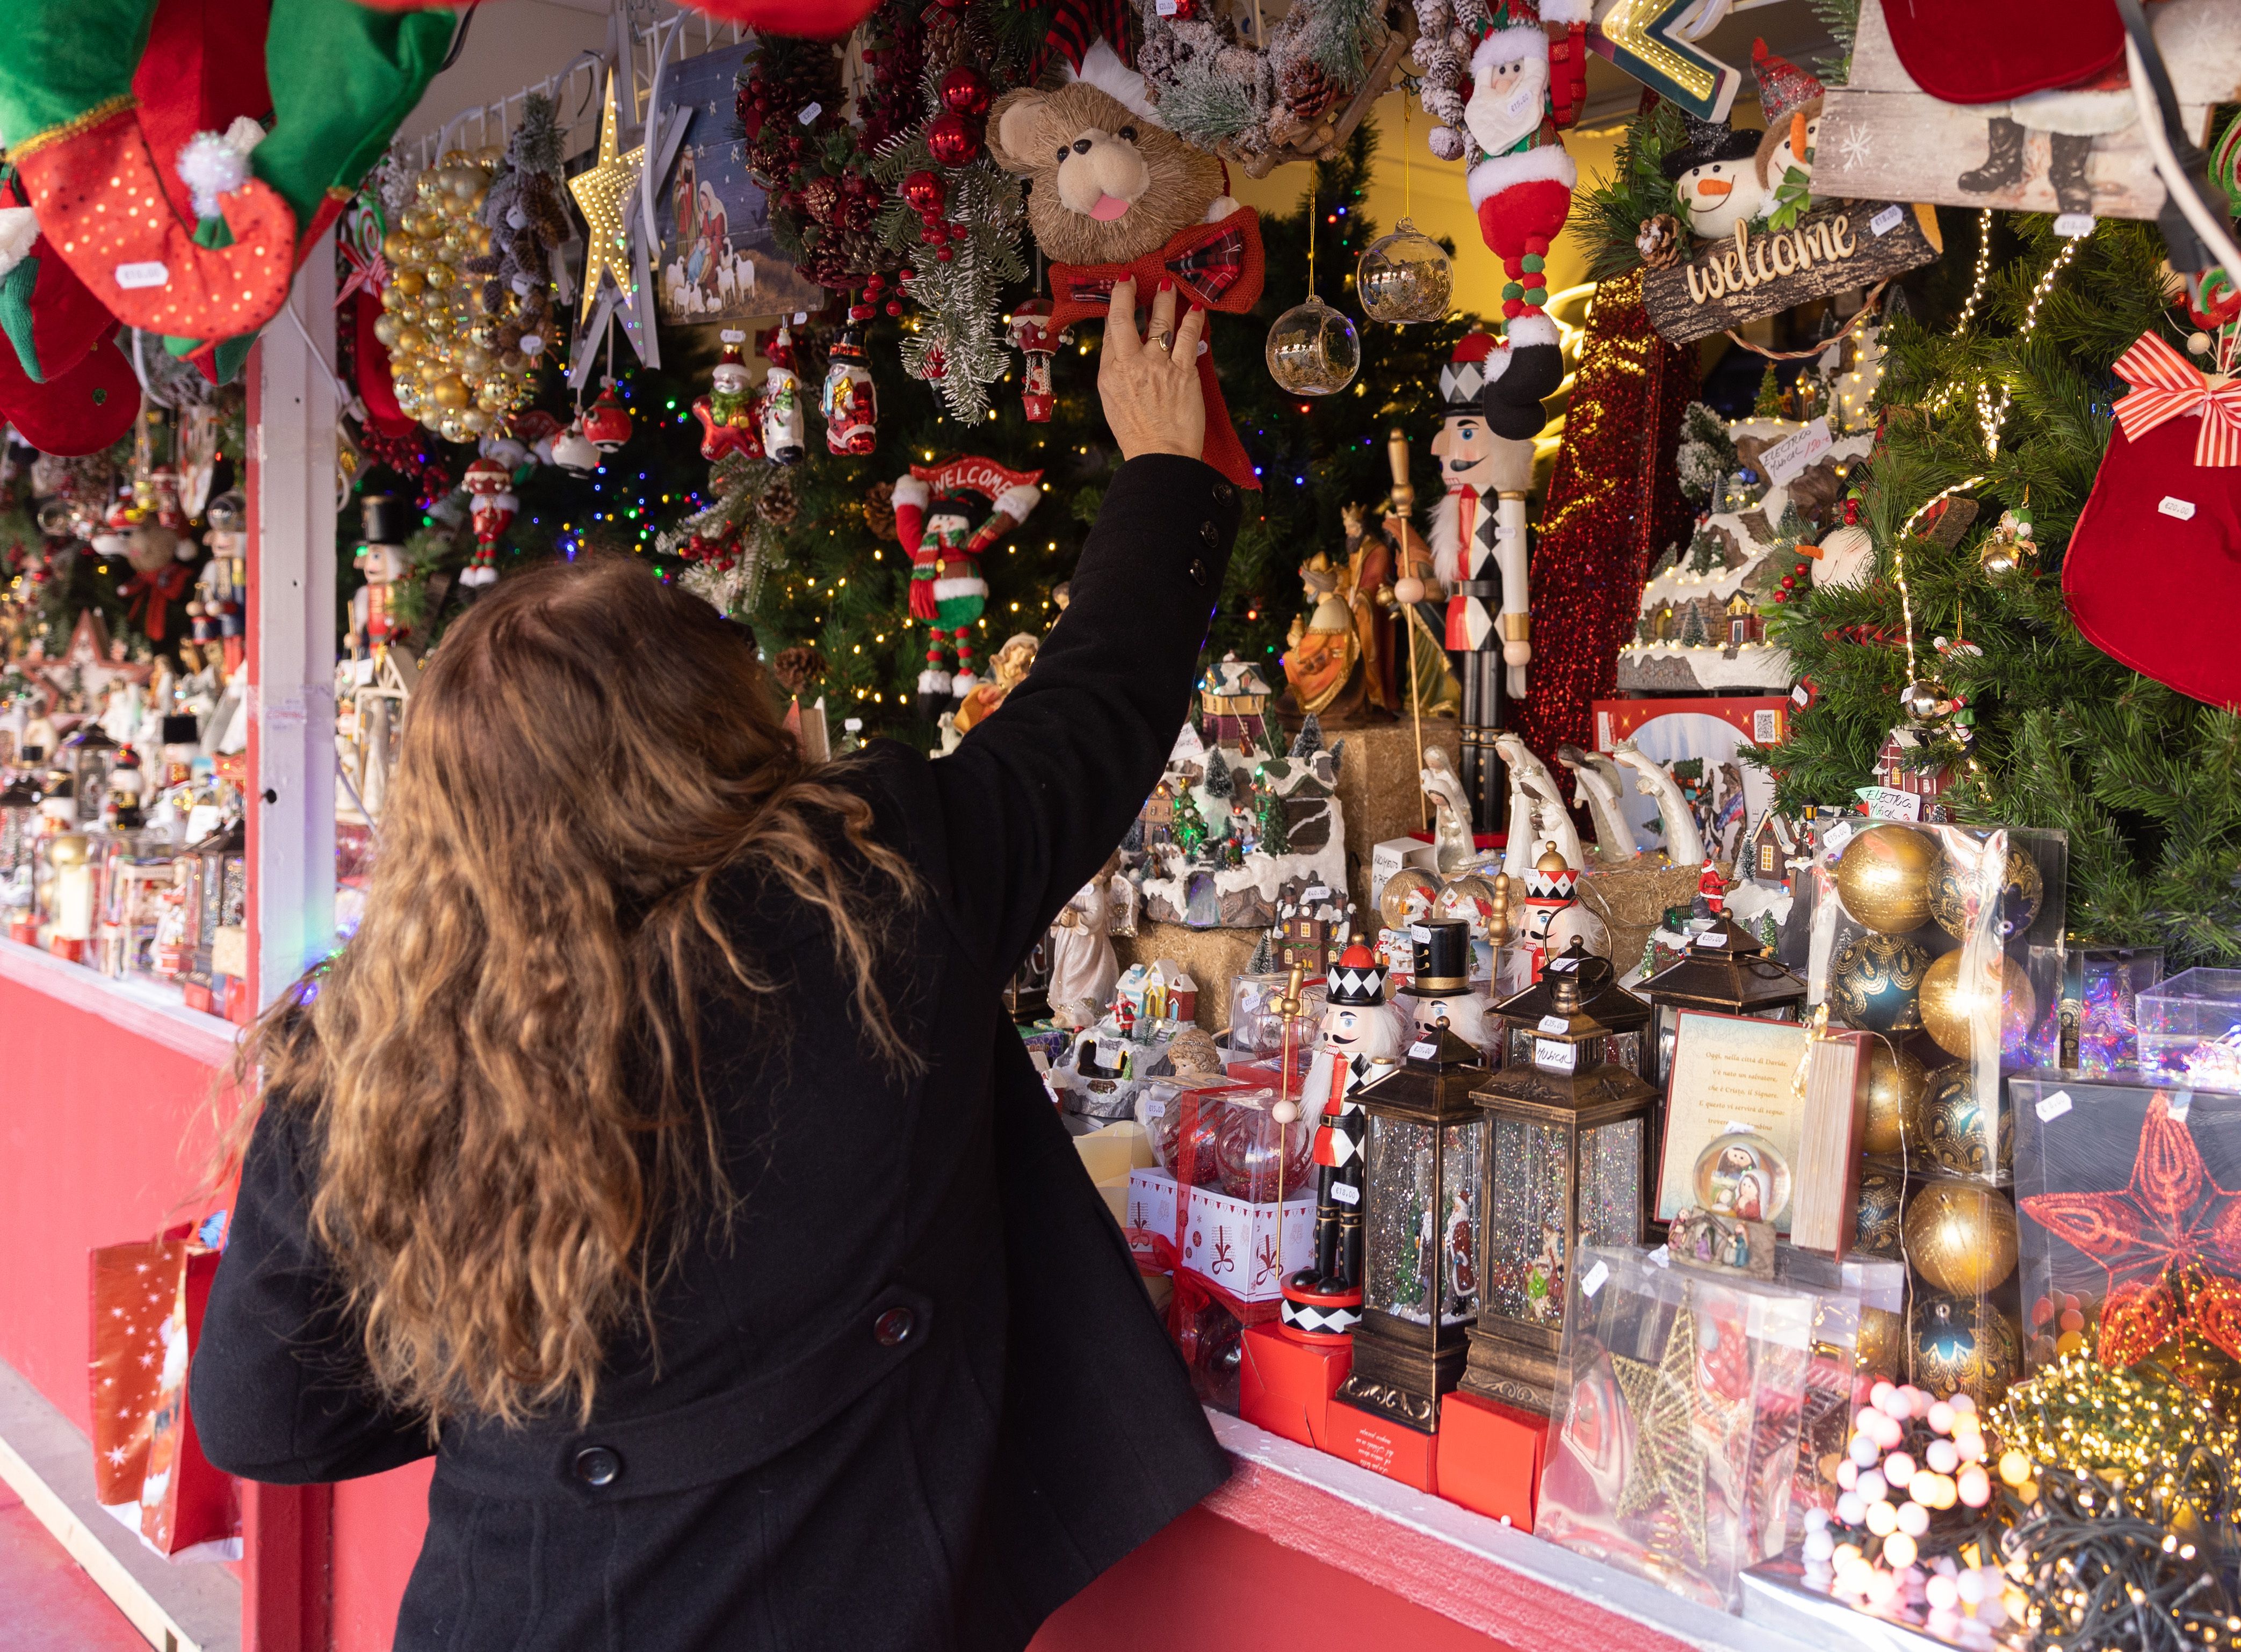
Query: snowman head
{"points": [[1789, 143]]}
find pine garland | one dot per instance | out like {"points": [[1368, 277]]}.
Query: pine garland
{"points": [[1611, 213]]}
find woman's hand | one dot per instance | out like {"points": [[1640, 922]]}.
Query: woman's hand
{"points": [[1149, 386]]}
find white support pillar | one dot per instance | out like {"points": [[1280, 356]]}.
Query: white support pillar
{"points": [[292, 632]]}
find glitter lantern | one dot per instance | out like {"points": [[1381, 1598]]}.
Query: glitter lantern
{"points": [[1567, 1153], [1422, 1213], [87, 756], [1405, 277], [1625, 1017], [19, 832], [220, 899], [1313, 349], [1726, 972]]}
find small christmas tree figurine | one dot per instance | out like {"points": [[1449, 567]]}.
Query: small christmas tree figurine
{"points": [[1276, 835], [1309, 740], [1189, 824], [1692, 628], [1217, 782]]}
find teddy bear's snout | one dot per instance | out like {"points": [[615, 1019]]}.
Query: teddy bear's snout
{"points": [[1101, 176]]}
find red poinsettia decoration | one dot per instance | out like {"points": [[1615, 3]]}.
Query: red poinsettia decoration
{"points": [[2171, 1243]]}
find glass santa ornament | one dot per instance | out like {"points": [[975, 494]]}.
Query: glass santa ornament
{"points": [[606, 421], [850, 402], [1313, 349], [1404, 277], [781, 403], [1567, 1163], [1037, 341]]}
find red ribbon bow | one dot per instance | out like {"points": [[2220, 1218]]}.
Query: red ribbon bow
{"points": [[2166, 385], [148, 596], [1217, 265]]}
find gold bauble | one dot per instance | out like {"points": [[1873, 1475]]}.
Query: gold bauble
{"points": [[452, 429], [399, 247], [450, 392], [1873, 981], [394, 298], [495, 395], [431, 417], [1882, 1196], [1881, 1342], [409, 341], [1883, 878], [475, 422], [441, 275], [1895, 1083], [385, 328], [412, 282], [1952, 1005], [1963, 1348], [408, 396], [2022, 889], [475, 359], [1961, 1236], [1953, 1131]]}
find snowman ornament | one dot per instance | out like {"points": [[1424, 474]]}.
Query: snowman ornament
{"points": [[1715, 178]]}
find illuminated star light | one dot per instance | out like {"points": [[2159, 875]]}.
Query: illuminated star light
{"points": [[600, 195]]}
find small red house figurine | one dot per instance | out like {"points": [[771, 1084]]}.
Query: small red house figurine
{"points": [[1898, 766]]}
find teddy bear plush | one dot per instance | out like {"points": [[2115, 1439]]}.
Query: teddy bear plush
{"points": [[1111, 194]]}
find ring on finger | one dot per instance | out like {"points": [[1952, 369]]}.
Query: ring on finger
{"points": [[1164, 341]]}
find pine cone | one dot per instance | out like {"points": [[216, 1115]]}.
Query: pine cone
{"points": [[1308, 91], [879, 510], [798, 669], [1662, 242], [820, 199], [778, 504]]}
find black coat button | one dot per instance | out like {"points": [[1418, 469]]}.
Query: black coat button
{"points": [[892, 1328], [598, 1466], [1224, 492], [1209, 535], [1198, 570]]}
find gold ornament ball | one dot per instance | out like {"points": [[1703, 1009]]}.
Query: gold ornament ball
{"points": [[1873, 980], [494, 396], [441, 275], [452, 429], [450, 392], [1961, 1236], [385, 328], [1963, 1348], [475, 422], [399, 247], [431, 417], [1882, 1196], [2022, 889], [1895, 1084], [410, 283], [1998, 557], [1883, 878], [1952, 1129], [1881, 1342], [1951, 1005]]}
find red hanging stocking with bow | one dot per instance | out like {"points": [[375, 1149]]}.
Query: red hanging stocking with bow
{"points": [[2152, 575]]}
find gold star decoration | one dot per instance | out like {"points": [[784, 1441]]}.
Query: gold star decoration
{"points": [[601, 192], [1669, 1463]]}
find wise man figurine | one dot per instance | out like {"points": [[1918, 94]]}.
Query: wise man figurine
{"points": [[1322, 1302], [1474, 567]]}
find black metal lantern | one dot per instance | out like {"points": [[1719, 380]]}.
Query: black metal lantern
{"points": [[1421, 1215], [221, 894], [19, 832], [87, 756], [1568, 1165], [1625, 1017], [1726, 972]]}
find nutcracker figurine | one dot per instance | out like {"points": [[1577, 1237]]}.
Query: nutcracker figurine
{"points": [[490, 507], [1037, 342], [850, 403], [224, 581], [1476, 562], [783, 438], [728, 421], [1323, 1302], [381, 559], [933, 520]]}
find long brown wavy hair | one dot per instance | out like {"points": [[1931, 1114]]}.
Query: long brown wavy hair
{"points": [[502, 1066]]}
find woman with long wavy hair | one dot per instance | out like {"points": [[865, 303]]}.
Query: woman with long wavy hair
{"points": [[658, 1158]]}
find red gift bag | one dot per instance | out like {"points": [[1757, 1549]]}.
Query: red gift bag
{"points": [[148, 1469]]}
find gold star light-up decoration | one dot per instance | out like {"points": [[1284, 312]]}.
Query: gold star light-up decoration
{"points": [[600, 194], [1669, 1462]]}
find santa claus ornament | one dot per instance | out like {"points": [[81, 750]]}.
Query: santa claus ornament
{"points": [[1037, 341], [850, 399], [728, 421], [1520, 178], [934, 508], [2152, 575], [490, 507]]}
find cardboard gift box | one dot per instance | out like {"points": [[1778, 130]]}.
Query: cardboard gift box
{"points": [[1285, 1385], [1242, 1249], [1377, 1443], [1488, 1457]]}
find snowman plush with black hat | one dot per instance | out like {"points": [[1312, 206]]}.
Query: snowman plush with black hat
{"points": [[1716, 177]]}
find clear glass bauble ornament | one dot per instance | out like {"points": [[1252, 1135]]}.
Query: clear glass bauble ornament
{"points": [[1742, 1174], [1313, 349], [1404, 277]]}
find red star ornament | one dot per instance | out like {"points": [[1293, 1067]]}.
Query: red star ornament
{"points": [[2171, 1227]]}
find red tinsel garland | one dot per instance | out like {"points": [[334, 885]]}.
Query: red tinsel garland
{"points": [[1614, 502]]}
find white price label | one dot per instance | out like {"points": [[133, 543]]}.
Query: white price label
{"points": [[1346, 1193], [1839, 835], [1887, 220], [1420, 932], [1563, 965], [1424, 1050], [1318, 891], [1662, 1256], [132, 276], [1553, 1055], [2053, 1107], [1594, 1279], [811, 111], [2071, 225], [1554, 1024], [1708, 937], [2183, 509]]}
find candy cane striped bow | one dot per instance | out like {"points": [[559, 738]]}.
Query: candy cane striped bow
{"points": [[2166, 385]]}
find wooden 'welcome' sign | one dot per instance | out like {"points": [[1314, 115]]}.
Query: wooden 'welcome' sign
{"points": [[1852, 243]]}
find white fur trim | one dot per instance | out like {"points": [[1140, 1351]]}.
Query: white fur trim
{"points": [[1525, 330], [1567, 11], [911, 491], [1102, 67], [210, 166], [1498, 173], [2075, 114], [946, 589], [20, 228], [934, 682], [1019, 503], [1510, 46], [1222, 207]]}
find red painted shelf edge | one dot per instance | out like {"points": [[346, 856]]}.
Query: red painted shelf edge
{"points": [[1488, 1576], [135, 1009]]}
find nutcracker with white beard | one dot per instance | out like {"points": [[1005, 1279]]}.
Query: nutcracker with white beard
{"points": [[1469, 583]]}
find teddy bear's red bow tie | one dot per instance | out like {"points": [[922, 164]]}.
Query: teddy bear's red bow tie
{"points": [[1217, 265]]}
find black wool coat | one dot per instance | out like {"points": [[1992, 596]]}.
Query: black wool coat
{"points": [[917, 1397]]}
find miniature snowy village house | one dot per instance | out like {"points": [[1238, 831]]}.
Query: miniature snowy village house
{"points": [[1133, 989], [1305, 943], [1158, 815], [1895, 767], [1230, 698], [1772, 847], [1170, 994], [1662, 625], [1745, 625]]}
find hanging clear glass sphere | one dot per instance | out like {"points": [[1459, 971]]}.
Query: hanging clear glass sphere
{"points": [[1405, 277], [1313, 349]]}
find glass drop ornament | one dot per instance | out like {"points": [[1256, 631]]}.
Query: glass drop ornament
{"points": [[1313, 349], [1404, 277]]}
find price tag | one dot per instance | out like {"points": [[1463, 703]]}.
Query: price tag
{"points": [[1316, 892], [1421, 932], [1887, 220], [1563, 965], [1789, 456], [1346, 1193], [2183, 509], [1594, 1280], [132, 276], [1708, 937], [2182, 1103], [1424, 1050], [811, 111], [1553, 1055], [1554, 1024], [2053, 1107], [1662, 1256], [1839, 835], [2071, 225], [1155, 1108], [1889, 803]]}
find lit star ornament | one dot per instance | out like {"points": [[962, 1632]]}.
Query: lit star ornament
{"points": [[1669, 1462], [601, 195], [2170, 1242]]}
